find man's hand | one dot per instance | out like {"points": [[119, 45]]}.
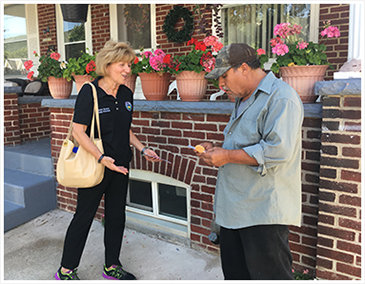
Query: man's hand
{"points": [[215, 156]]}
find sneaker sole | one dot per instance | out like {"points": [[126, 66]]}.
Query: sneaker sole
{"points": [[56, 276], [109, 277]]}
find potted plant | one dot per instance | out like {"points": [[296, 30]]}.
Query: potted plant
{"points": [[81, 69], [192, 67], [301, 63], [130, 82], [52, 70], [154, 72]]}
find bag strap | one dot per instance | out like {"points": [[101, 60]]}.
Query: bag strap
{"points": [[95, 115]]}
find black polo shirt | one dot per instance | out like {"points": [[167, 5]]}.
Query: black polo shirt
{"points": [[115, 119]]}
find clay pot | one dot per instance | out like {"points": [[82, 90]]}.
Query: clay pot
{"points": [[155, 86], [59, 88], [192, 86]]}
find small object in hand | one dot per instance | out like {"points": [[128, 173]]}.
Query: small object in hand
{"points": [[75, 149], [199, 149]]}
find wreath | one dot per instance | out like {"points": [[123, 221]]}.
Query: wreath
{"points": [[170, 21], [136, 24]]}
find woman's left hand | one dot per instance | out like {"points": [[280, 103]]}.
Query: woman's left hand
{"points": [[150, 155]]}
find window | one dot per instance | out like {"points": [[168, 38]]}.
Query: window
{"points": [[15, 39], [134, 23], [254, 24], [159, 202], [72, 38]]}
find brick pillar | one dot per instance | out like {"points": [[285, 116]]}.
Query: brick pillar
{"points": [[339, 216], [11, 119]]}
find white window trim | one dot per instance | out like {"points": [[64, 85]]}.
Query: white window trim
{"points": [[154, 179], [60, 38]]}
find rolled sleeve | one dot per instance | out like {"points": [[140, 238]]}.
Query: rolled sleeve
{"points": [[256, 152]]}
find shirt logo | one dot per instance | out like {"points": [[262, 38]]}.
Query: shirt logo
{"points": [[104, 110], [128, 106]]}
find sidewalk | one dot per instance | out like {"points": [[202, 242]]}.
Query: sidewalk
{"points": [[33, 251]]}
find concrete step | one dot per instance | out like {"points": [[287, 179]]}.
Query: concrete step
{"points": [[29, 185], [26, 196], [34, 157]]}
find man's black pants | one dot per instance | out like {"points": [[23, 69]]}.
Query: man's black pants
{"points": [[256, 253], [114, 185]]}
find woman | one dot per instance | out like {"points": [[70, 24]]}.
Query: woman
{"points": [[113, 64]]}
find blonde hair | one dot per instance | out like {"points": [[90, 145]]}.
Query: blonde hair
{"points": [[113, 52]]}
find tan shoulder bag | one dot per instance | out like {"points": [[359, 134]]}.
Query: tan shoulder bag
{"points": [[76, 167]]}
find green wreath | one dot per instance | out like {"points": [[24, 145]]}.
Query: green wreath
{"points": [[170, 21]]}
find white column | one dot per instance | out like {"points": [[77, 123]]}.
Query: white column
{"points": [[356, 31]]}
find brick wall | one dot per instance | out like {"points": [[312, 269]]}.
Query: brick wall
{"points": [[47, 20], [337, 48], [339, 221], [11, 119], [33, 122], [303, 240], [100, 25]]}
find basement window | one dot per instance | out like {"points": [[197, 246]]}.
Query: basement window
{"points": [[158, 202]]}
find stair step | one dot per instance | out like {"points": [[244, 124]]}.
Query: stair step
{"points": [[34, 157], [26, 196]]}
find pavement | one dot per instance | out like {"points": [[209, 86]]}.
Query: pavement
{"points": [[32, 251]]}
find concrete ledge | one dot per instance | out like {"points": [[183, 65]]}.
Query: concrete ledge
{"points": [[338, 87], [32, 99], [15, 90], [209, 107]]}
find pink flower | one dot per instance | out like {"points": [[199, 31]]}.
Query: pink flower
{"points": [[55, 55], [28, 64], [302, 45], [305, 271], [261, 51], [210, 40], [159, 52], [297, 29], [275, 41], [217, 46], [34, 52], [282, 29], [30, 75], [280, 49], [156, 62], [147, 54], [331, 32]]}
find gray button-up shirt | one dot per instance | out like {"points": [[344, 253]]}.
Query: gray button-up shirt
{"points": [[268, 128]]}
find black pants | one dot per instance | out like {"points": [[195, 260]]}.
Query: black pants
{"points": [[114, 186], [256, 253]]}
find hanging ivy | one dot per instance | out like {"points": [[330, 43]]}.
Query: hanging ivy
{"points": [[170, 21]]}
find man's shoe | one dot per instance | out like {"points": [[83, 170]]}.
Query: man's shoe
{"points": [[69, 275], [117, 273]]}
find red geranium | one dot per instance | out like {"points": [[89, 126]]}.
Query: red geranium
{"points": [[55, 55], [91, 66]]}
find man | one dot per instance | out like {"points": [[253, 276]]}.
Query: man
{"points": [[258, 191]]}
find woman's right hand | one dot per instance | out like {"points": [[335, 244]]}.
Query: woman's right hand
{"points": [[109, 163]]}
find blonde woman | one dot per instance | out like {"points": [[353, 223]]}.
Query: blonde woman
{"points": [[113, 64]]}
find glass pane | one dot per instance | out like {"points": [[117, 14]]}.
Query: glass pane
{"points": [[254, 24], [140, 195], [74, 50], [134, 25], [172, 201], [15, 40], [73, 31]]}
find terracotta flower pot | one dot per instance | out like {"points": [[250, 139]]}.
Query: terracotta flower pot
{"points": [[303, 78], [192, 86], [130, 82], [59, 88], [80, 80], [155, 86]]}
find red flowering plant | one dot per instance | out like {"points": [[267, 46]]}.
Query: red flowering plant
{"points": [[201, 58], [84, 65], [291, 50], [49, 66], [158, 62]]}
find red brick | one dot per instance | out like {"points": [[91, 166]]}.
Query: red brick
{"points": [[339, 138], [338, 186], [331, 232], [351, 224], [352, 102], [351, 152], [347, 269], [350, 247], [350, 200]]}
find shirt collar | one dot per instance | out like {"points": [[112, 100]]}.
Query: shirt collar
{"points": [[266, 83]]}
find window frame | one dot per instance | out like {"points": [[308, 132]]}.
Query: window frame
{"points": [[155, 179], [60, 34]]}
